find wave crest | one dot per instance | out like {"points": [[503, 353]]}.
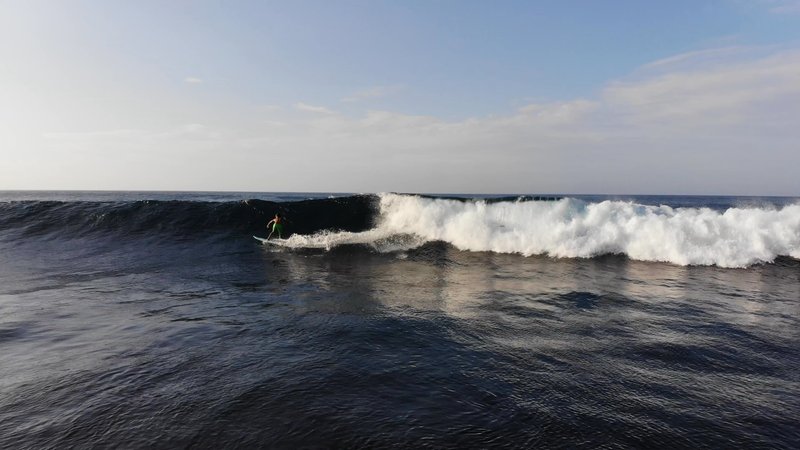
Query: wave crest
{"points": [[737, 237]]}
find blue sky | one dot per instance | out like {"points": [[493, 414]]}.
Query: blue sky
{"points": [[435, 96]]}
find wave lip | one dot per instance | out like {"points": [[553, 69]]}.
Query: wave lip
{"points": [[737, 237]]}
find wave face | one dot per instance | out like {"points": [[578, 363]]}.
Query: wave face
{"points": [[557, 227], [168, 219], [572, 228]]}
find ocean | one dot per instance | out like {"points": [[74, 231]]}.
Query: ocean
{"points": [[155, 320]]}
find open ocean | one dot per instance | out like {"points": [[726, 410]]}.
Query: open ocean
{"points": [[155, 320]]}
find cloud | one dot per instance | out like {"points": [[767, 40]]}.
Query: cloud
{"points": [[300, 106], [784, 6], [559, 112], [702, 93], [194, 131], [372, 93], [694, 58], [192, 80], [715, 121], [88, 135]]}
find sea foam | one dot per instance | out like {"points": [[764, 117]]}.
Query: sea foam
{"points": [[573, 228]]}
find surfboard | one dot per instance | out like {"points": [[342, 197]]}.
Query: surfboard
{"points": [[269, 241]]}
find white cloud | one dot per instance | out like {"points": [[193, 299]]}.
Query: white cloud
{"points": [[86, 135], [784, 6], [716, 121], [300, 106], [192, 80], [693, 58], [711, 93], [559, 112]]}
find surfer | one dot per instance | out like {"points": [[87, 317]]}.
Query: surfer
{"points": [[277, 226]]}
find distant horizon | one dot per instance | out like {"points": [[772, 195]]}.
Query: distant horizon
{"points": [[499, 194]]}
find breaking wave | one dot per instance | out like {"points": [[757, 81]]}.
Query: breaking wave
{"points": [[572, 228], [556, 227]]}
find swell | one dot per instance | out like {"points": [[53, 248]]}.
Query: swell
{"points": [[557, 227], [32, 219]]}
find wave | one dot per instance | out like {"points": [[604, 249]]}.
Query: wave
{"points": [[167, 219], [557, 227], [572, 228]]}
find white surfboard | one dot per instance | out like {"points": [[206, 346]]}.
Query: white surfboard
{"points": [[270, 241]]}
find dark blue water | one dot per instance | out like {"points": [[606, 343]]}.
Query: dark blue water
{"points": [[127, 324]]}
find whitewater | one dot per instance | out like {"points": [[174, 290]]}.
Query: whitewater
{"points": [[573, 228]]}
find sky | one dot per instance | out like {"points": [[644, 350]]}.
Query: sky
{"points": [[437, 96]]}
